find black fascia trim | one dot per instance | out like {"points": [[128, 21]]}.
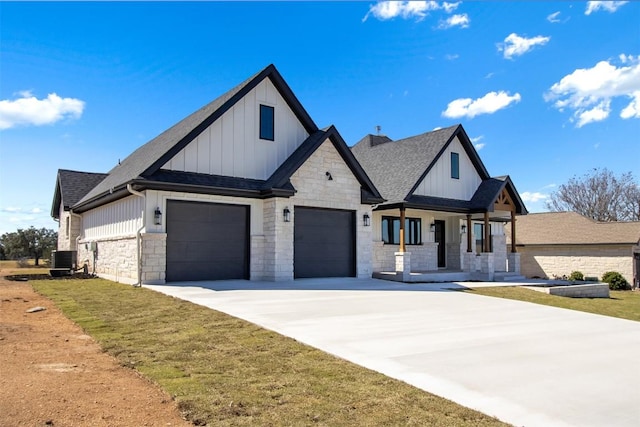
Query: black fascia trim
{"points": [[366, 198], [141, 185], [468, 148], [57, 200], [219, 191], [515, 196], [472, 153], [280, 84], [433, 162], [111, 196], [353, 164], [291, 99]]}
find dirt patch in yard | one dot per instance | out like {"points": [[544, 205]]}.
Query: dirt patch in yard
{"points": [[51, 373]]}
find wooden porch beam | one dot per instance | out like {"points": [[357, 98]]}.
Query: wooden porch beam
{"points": [[469, 249], [513, 231], [487, 233], [402, 216]]}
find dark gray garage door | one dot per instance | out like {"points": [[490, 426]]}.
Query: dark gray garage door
{"points": [[207, 241], [324, 243]]}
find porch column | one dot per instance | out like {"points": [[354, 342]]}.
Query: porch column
{"points": [[487, 232], [402, 220], [513, 231], [469, 233]]}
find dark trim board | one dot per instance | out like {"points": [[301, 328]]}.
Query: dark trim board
{"points": [[324, 242], [207, 241]]}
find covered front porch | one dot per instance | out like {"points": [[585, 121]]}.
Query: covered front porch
{"points": [[438, 240]]}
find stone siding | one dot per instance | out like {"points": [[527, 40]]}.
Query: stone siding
{"points": [[423, 257], [67, 237], [115, 258], [314, 189], [591, 260], [499, 242]]}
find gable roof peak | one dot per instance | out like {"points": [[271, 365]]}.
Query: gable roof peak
{"points": [[150, 157]]}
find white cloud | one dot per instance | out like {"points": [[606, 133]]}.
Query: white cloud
{"points": [[28, 110], [451, 56], [477, 144], [533, 197], [609, 6], [488, 104], [461, 21], [588, 91], [514, 45], [385, 10], [554, 17], [450, 7], [633, 109]]}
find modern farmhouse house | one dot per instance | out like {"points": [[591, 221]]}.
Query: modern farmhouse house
{"points": [[248, 187]]}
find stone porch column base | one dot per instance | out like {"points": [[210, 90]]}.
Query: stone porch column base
{"points": [[403, 265], [513, 262]]}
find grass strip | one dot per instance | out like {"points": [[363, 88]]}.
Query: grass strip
{"points": [[224, 371], [622, 304]]}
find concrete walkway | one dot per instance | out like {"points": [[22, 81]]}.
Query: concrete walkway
{"points": [[525, 364]]}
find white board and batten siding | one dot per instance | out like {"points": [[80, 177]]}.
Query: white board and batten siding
{"points": [[438, 182], [117, 219], [231, 145]]}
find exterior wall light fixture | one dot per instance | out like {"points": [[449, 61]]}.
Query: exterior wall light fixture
{"points": [[286, 214], [432, 227], [157, 217], [463, 229], [366, 220]]}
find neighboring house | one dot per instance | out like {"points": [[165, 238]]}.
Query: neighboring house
{"points": [[557, 243], [71, 186], [454, 212], [248, 187]]}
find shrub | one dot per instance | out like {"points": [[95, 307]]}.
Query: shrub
{"points": [[576, 276], [615, 280]]}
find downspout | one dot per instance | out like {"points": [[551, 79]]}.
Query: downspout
{"points": [[139, 232], [72, 213]]}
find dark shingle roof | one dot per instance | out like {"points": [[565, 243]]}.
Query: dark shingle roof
{"points": [[149, 158], [71, 186], [397, 167]]}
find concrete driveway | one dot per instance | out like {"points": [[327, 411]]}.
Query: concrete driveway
{"points": [[525, 364]]}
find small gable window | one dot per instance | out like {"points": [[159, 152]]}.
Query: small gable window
{"points": [[267, 122], [455, 166], [391, 230]]}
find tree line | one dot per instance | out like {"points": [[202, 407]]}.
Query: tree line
{"points": [[599, 195], [28, 243]]}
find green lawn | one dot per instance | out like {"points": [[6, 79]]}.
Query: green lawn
{"points": [[622, 304], [225, 371]]}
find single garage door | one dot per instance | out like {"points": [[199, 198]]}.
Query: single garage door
{"points": [[324, 243], [207, 241]]}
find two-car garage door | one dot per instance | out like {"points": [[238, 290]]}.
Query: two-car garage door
{"points": [[210, 241], [207, 241]]}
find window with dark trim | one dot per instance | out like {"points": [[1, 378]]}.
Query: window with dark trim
{"points": [[391, 230], [267, 122], [478, 231], [455, 166]]}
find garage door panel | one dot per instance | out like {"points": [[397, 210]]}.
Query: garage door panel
{"points": [[206, 241], [324, 243]]}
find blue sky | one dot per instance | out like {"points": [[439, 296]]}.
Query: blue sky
{"points": [[546, 90]]}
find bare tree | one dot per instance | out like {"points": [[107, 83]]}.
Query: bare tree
{"points": [[599, 195]]}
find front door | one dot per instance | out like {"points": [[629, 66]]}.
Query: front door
{"points": [[442, 244]]}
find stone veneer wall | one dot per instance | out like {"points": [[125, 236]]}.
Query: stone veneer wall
{"points": [[116, 258], [499, 243], [67, 240], [278, 241], [423, 257], [313, 189], [591, 260]]}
